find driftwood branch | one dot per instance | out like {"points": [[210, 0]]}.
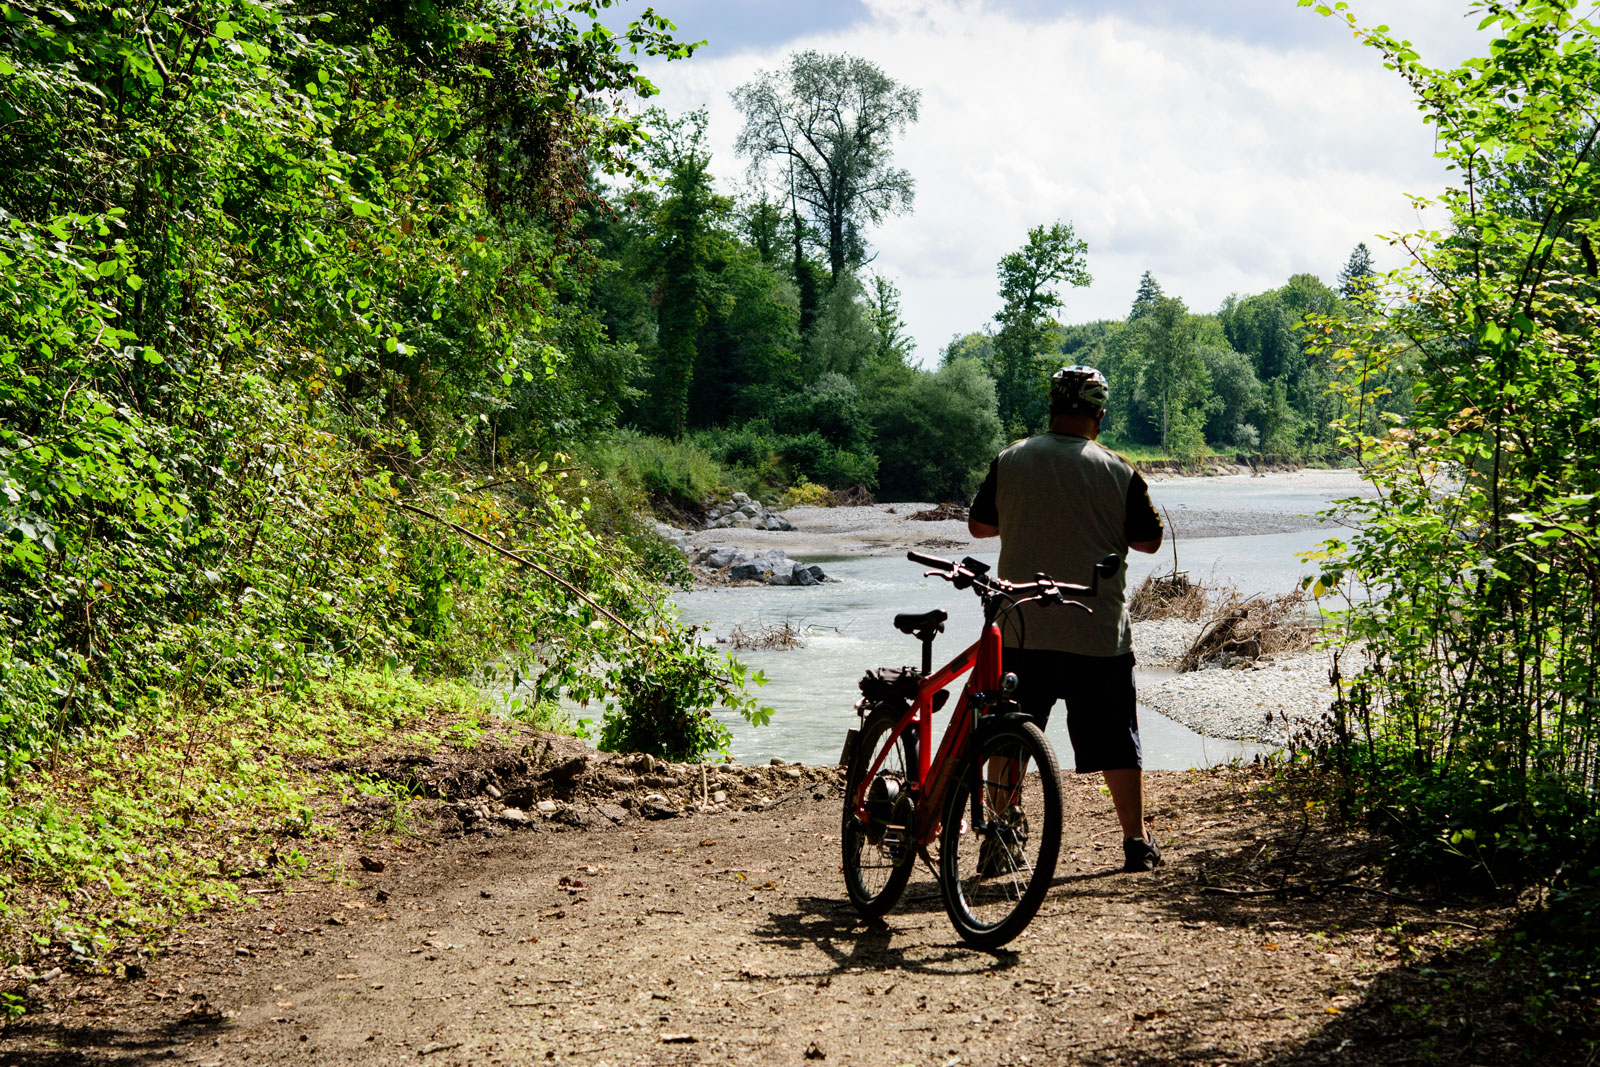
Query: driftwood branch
{"points": [[518, 558]]}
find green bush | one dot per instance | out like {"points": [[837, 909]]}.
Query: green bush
{"points": [[664, 696], [264, 417], [806, 493], [936, 433], [812, 456], [680, 473], [1470, 727]]}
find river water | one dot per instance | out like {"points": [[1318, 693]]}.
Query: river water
{"points": [[847, 624]]}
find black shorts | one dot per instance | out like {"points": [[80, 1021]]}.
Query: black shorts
{"points": [[1102, 709]]}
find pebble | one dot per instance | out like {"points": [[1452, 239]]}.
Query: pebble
{"points": [[1162, 642], [546, 806]]}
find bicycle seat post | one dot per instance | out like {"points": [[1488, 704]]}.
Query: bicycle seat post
{"points": [[927, 651]]}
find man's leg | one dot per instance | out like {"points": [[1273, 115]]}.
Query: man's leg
{"points": [[1034, 698], [1103, 719], [1127, 794]]}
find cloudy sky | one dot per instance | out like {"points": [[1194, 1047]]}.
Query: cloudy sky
{"points": [[1221, 144]]}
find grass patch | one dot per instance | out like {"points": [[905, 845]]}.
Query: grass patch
{"points": [[1134, 452], [114, 836], [681, 474]]}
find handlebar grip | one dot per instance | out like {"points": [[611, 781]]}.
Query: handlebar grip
{"points": [[930, 561]]}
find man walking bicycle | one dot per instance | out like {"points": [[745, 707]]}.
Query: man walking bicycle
{"points": [[1060, 502]]}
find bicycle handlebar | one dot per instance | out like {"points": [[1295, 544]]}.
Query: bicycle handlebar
{"points": [[971, 572]]}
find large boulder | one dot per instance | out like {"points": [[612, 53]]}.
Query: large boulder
{"points": [[772, 566], [673, 536], [741, 511], [721, 557], [763, 567]]}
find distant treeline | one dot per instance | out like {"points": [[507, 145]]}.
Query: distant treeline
{"points": [[757, 344]]}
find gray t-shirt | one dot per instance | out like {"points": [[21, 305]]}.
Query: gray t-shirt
{"points": [[1062, 504]]}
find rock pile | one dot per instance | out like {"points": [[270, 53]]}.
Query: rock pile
{"points": [[673, 536], [556, 783], [773, 566], [741, 511]]}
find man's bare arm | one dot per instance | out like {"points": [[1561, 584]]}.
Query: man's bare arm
{"points": [[983, 529], [1144, 546]]}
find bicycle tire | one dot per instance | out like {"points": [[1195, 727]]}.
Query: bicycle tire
{"points": [[878, 859], [993, 883]]}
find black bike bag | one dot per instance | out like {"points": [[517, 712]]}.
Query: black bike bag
{"points": [[897, 685], [888, 684]]}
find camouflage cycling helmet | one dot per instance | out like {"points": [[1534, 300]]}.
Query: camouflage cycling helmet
{"points": [[1078, 390]]}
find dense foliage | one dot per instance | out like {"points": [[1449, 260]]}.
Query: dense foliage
{"points": [[292, 319], [1473, 727]]}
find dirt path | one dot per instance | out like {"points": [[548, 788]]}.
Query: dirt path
{"points": [[724, 938]]}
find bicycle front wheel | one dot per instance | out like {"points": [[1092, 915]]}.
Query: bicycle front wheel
{"points": [[879, 848], [993, 874]]}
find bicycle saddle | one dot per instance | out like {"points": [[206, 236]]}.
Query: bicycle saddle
{"points": [[932, 621]]}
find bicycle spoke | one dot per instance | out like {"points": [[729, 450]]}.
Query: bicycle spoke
{"points": [[877, 848], [994, 876]]}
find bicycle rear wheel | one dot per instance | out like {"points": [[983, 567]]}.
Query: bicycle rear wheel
{"points": [[994, 880], [878, 851]]}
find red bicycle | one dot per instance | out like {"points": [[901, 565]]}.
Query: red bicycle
{"points": [[992, 792]]}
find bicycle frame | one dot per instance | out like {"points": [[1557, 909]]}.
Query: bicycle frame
{"points": [[933, 772]]}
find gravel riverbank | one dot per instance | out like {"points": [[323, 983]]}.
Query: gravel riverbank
{"points": [[1268, 703], [1245, 504]]}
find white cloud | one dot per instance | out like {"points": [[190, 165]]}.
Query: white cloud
{"points": [[1218, 163]]}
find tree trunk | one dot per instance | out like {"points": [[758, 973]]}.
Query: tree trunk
{"points": [[835, 245]]}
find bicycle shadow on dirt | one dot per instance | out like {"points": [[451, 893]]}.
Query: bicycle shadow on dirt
{"points": [[53, 1044], [897, 941]]}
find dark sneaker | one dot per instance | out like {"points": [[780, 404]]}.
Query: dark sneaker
{"points": [[1140, 855], [1003, 845]]}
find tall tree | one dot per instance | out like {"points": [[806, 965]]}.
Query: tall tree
{"points": [[1172, 373], [1357, 273], [1028, 281], [1149, 292], [883, 312], [686, 252], [827, 125]]}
